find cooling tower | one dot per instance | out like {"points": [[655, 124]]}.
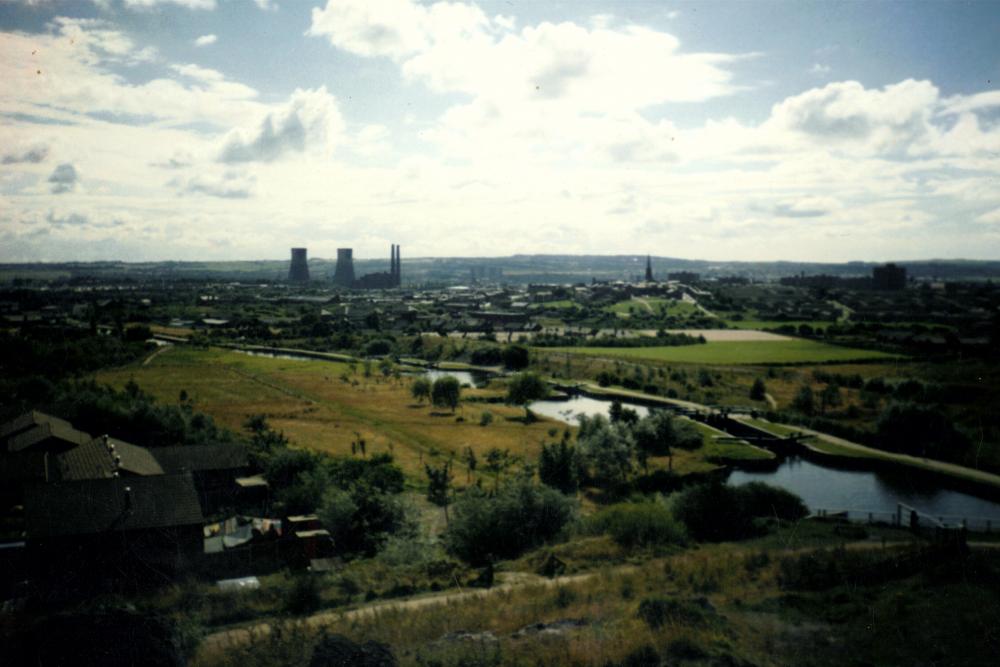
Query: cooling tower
{"points": [[343, 275], [298, 272]]}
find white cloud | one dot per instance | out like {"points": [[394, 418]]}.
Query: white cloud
{"points": [[63, 179], [893, 119], [226, 185], [963, 103], [30, 154], [310, 121], [453, 47], [819, 68], [990, 217], [188, 4], [206, 40], [68, 73]]}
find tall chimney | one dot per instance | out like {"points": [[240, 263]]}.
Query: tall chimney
{"points": [[399, 268]]}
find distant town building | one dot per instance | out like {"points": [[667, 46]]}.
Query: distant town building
{"points": [[889, 277], [478, 274], [684, 276], [298, 272]]}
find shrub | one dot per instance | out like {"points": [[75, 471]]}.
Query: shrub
{"points": [[515, 357], [378, 347], [557, 467], [762, 500], [486, 418], [919, 430], [486, 356], [303, 595], [657, 612], [337, 650], [715, 511], [712, 512], [639, 525], [518, 517]]}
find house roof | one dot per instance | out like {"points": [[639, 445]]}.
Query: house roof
{"points": [[90, 460], [194, 458], [94, 460], [94, 506], [54, 430], [26, 421], [136, 460]]}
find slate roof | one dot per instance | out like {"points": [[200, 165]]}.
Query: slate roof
{"points": [[54, 430], [28, 420], [90, 460], [196, 458], [88, 507], [136, 460]]}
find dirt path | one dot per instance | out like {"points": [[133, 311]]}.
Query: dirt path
{"points": [[644, 302], [770, 401], [239, 636], [224, 639], [160, 350]]}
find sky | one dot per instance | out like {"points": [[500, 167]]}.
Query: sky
{"points": [[145, 130]]}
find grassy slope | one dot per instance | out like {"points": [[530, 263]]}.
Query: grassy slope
{"points": [[736, 352], [316, 409]]}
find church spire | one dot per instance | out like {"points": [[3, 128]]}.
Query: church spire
{"points": [[649, 269]]}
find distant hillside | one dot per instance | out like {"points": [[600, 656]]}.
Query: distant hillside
{"points": [[460, 270]]}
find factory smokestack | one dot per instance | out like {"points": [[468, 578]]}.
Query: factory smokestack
{"points": [[343, 275], [397, 275], [298, 272]]}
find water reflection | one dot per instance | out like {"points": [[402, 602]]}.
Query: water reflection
{"points": [[567, 411], [471, 378], [832, 489]]}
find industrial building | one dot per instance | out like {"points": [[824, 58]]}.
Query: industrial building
{"points": [[889, 277], [344, 273], [298, 271]]}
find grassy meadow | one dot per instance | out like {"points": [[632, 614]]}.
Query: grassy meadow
{"points": [[759, 602], [326, 406], [794, 351]]}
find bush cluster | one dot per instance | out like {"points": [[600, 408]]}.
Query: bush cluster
{"points": [[518, 517]]}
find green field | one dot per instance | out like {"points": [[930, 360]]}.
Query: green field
{"points": [[794, 351], [774, 324], [652, 306]]}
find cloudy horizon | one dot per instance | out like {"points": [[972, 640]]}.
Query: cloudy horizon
{"points": [[212, 130]]}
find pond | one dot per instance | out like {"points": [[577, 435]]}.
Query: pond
{"points": [[821, 487], [824, 487], [471, 378], [567, 411]]}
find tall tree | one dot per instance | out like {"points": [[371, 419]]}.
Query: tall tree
{"points": [[421, 389], [524, 388], [446, 392], [439, 486]]}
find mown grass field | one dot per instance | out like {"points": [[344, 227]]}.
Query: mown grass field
{"points": [[794, 351], [311, 403], [652, 306]]}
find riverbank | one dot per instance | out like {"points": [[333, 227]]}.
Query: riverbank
{"points": [[823, 447]]}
